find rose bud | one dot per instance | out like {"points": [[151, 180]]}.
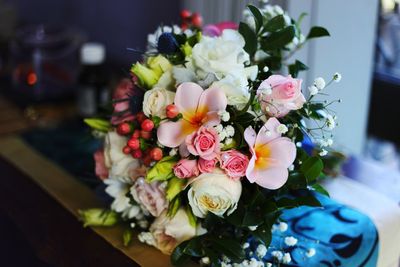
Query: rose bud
{"points": [[147, 125], [172, 111]]}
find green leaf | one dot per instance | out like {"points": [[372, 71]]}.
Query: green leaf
{"points": [[312, 168], [274, 24], [178, 256], [263, 234], [252, 218], [250, 38], [320, 189], [98, 217], [194, 247], [279, 39], [127, 237], [214, 257], [297, 180], [229, 247], [309, 200], [191, 217], [101, 125], [287, 203], [174, 187], [156, 120], [162, 170], [258, 17], [173, 207], [143, 144], [295, 68], [317, 31], [300, 19]]}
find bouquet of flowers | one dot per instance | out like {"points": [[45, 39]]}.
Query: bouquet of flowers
{"points": [[209, 139]]}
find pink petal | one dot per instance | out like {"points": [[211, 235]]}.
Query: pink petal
{"points": [[283, 151], [213, 99], [183, 150], [271, 178], [268, 132], [250, 137], [250, 170], [212, 119], [172, 134], [299, 101], [187, 98]]}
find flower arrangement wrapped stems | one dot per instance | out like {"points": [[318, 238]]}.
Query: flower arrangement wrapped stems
{"points": [[214, 150]]}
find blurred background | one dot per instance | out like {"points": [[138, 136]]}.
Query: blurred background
{"points": [[61, 59]]}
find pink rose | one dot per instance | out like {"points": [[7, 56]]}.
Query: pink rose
{"points": [[213, 30], [206, 166], [279, 95], [234, 163], [186, 168], [150, 196], [204, 143], [122, 110], [100, 168]]}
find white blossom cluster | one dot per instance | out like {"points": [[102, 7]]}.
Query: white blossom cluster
{"points": [[225, 133]]}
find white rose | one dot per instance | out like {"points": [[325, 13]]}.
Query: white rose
{"points": [[220, 55], [214, 192], [156, 100], [120, 165], [170, 232]]}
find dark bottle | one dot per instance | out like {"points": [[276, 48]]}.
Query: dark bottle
{"points": [[92, 80]]}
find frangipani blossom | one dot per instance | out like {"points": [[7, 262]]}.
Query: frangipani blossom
{"points": [[198, 108], [271, 155]]}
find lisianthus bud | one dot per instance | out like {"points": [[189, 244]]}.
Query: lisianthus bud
{"points": [[159, 64], [146, 77]]}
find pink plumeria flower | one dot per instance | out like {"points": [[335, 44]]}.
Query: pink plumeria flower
{"points": [[198, 108], [272, 154]]}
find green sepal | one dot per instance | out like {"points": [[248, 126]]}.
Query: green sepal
{"points": [[162, 170], [98, 217], [101, 125]]}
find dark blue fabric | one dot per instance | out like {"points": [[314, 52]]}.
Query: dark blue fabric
{"points": [[340, 235]]}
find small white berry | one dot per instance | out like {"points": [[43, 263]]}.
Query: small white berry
{"points": [[323, 153], [230, 131], [311, 252], [286, 258], [282, 129], [319, 83], [266, 69], [261, 250], [277, 254], [205, 260], [283, 226], [290, 241], [337, 77], [313, 90]]}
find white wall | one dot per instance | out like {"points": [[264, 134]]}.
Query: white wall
{"points": [[350, 51]]}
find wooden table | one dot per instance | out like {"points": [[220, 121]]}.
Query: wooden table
{"points": [[39, 203]]}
